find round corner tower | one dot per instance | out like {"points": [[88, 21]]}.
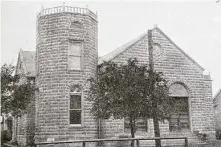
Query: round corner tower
{"points": [[66, 56]]}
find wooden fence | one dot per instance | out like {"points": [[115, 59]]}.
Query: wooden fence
{"points": [[120, 139]]}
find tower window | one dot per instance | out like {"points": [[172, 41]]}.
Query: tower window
{"points": [[75, 106], [75, 54], [76, 25]]}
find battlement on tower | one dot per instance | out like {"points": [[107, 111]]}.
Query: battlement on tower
{"points": [[61, 9]]}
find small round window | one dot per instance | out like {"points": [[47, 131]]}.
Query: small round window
{"points": [[157, 50]]}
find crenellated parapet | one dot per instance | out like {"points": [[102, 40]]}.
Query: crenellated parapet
{"points": [[70, 9]]}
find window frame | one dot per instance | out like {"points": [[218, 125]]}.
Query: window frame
{"points": [[180, 129], [69, 109], [81, 54], [146, 121], [188, 96]]}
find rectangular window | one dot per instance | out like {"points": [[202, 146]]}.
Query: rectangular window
{"points": [[75, 55], [179, 118], [141, 125], [75, 109]]}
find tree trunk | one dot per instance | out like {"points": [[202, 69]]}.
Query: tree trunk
{"points": [[132, 129], [15, 130], [100, 131]]}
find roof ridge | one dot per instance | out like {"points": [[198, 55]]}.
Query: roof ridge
{"points": [[27, 51], [19, 57]]}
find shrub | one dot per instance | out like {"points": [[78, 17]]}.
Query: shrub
{"points": [[6, 136], [218, 135]]}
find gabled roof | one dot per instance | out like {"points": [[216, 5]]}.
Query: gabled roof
{"points": [[217, 96], [110, 56], [28, 60]]}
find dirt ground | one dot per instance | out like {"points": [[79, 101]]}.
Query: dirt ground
{"points": [[215, 143]]}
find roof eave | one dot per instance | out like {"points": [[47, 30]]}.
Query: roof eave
{"points": [[216, 96]]}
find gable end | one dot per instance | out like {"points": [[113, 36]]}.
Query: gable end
{"points": [[191, 59]]}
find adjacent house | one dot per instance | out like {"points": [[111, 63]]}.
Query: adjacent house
{"points": [[24, 126], [217, 106]]}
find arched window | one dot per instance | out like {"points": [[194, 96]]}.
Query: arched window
{"points": [[179, 117], [75, 105]]}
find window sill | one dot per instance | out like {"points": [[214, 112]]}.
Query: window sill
{"points": [[75, 69], [76, 126], [186, 131]]}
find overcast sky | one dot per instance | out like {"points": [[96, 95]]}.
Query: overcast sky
{"points": [[193, 26]]}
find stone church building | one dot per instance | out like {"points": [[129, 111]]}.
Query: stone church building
{"points": [[67, 55]]}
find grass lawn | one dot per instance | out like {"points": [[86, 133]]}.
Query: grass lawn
{"points": [[215, 143]]}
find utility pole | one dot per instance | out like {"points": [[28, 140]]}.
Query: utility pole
{"points": [[100, 120], [1, 122], [154, 101]]}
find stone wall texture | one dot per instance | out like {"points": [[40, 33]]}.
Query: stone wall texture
{"points": [[54, 78], [177, 67]]}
